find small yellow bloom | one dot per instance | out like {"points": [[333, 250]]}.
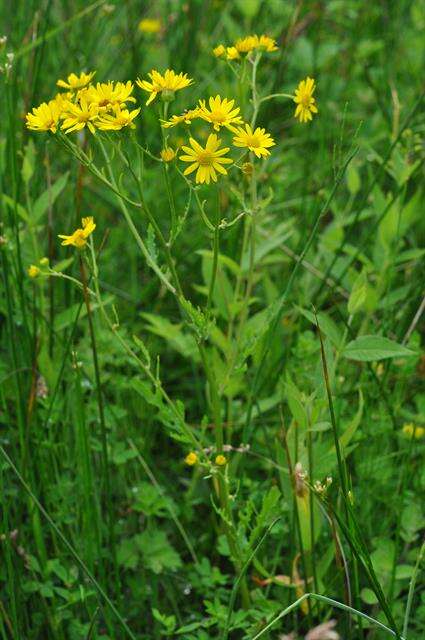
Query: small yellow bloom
{"points": [[74, 82], [165, 84], [185, 117], [413, 431], [119, 119], [219, 51], [78, 116], [306, 104], [44, 261], [79, 237], [220, 113], [265, 43], [44, 118], [168, 154], [220, 460], [247, 44], [150, 25], [257, 141], [206, 160], [191, 458], [33, 271], [232, 53], [110, 94]]}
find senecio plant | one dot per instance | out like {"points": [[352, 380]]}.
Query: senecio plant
{"points": [[225, 141]]}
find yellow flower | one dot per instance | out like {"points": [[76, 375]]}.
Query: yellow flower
{"points": [[247, 44], [256, 141], [232, 53], [206, 160], [265, 43], [79, 237], [33, 271], [150, 25], [306, 104], [74, 82], [165, 84], [168, 154], [220, 113], [413, 431], [109, 94], [220, 460], [44, 118], [77, 116], [185, 117], [219, 51], [117, 120], [191, 459]]}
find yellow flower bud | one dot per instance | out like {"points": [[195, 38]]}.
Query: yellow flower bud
{"points": [[219, 51], [168, 154], [413, 431], [33, 271], [44, 262], [221, 460], [191, 459], [247, 168]]}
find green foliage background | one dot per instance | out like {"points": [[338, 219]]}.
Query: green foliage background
{"points": [[163, 560]]}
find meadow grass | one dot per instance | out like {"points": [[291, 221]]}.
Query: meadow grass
{"points": [[212, 400]]}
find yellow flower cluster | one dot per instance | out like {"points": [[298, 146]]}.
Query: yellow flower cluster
{"points": [[209, 160], [101, 106], [244, 46], [104, 106]]}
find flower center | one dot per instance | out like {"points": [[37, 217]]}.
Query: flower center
{"points": [[253, 141], [218, 116], [305, 99], [79, 238], [204, 158]]}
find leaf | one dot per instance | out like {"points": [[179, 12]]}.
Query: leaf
{"points": [[370, 348], [358, 294], [157, 552], [48, 197]]}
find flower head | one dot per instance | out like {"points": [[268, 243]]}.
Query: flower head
{"points": [[150, 25], [306, 104], [219, 51], [44, 118], [109, 94], [257, 141], [191, 459], [168, 154], [221, 460], [232, 53], [206, 160], [220, 113], [247, 44], [185, 117], [79, 115], [74, 82], [79, 237], [33, 271], [413, 431], [118, 119], [265, 43], [165, 84]]}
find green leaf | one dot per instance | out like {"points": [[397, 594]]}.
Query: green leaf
{"points": [[358, 294], [370, 348], [158, 554]]}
